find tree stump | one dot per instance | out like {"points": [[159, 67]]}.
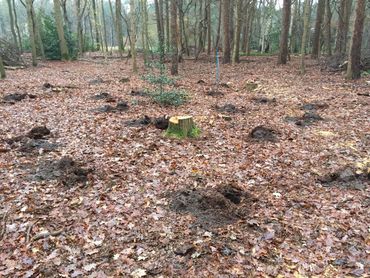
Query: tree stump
{"points": [[181, 127]]}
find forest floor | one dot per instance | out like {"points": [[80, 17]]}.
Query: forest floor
{"points": [[127, 201]]}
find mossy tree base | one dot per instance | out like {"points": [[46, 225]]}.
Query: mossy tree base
{"points": [[182, 127]]}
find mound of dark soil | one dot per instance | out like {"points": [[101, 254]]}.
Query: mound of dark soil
{"points": [[140, 93], [38, 132], [139, 122], [104, 96], [214, 93], [31, 145], [65, 170], [264, 100], [15, 97], [262, 133], [120, 107], [346, 178], [228, 108], [161, 122], [307, 119], [314, 106], [211, 207]]}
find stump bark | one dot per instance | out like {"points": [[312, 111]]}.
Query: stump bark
{"points": [[181, 127]]}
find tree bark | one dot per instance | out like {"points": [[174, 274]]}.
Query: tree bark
{"points": [[2, 69], [17, 26], [59, 23], [30, 23], [354, 63], [174, 38], [226, 48], [342, 29], [306, 23], [12, 25], [119, 34], [133, 34], [96, 25], [238, 12], [283, 53], [327, 27], [209, 28], [159, 31], [167, 24], [104, 26], [316, 36]]}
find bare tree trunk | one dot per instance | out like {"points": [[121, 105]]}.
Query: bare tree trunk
{"points": [[284, 36], [104, 25], [226, 48], [145, 36], [133, 34], [174, 38], [252, 12], [342, 29], [167, 25], [96, 25], [30, 19], [65, 16], [159, 31], [17, 26], [36, 29], [60, 30], [12, 25], [316, 37], [238, 12], [2, 69], [306, 23], [209, 28], [328, 27], [119, 34], [354, 64], [219, 25]]}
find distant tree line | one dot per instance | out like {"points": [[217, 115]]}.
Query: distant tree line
{"points": [[66, 29]]}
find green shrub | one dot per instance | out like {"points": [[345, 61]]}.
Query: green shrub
{"points": [[159, 79], [50, 39], [170, 98]]}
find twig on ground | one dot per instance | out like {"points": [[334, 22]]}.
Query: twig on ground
{"points": [[46, 234], [3, 229]]}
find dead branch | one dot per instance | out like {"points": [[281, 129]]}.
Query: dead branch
{"points": [[47, 234]]}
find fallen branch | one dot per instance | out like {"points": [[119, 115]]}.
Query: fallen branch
{"points": [[29, 230], [14, 68], [46, 234], [3, 229]]}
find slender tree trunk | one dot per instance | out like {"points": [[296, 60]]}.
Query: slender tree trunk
{"points": [[284, 36], [219, 25], [159, 31], [354, 64], [36, 29], [17, 26], [306, 23], [60, 30], [174, 38], [2, 69], [226, 48], [104, 26], [96, 25], [12, 25], [328, 27], [209, 28], [119, 34], [65, 16], [316, 37], [238, 13], [167, 24], [133, 34], [343, 25], [30, 19], [252, 12], [145, 31]]}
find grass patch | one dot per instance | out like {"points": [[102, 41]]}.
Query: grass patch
{"points": [[179, 134]]}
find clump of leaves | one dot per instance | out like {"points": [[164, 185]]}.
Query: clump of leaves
{"points": [[159, 79], [170, 98]]}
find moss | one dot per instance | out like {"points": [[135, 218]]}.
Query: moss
{"points": [[179, 134]]}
